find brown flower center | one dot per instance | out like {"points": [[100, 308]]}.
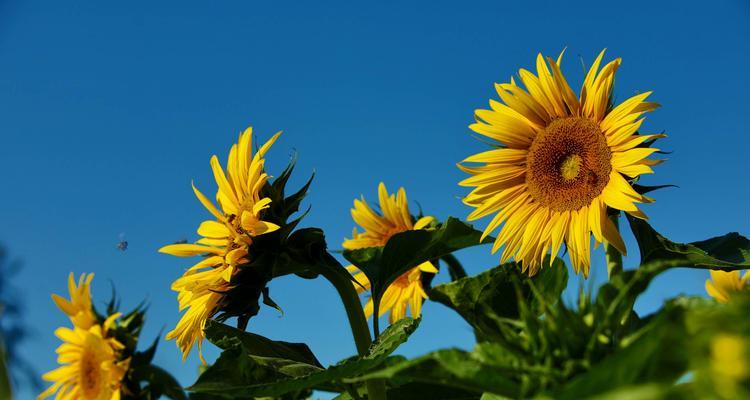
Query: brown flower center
{"points": [[568, 164], [89, 379]]}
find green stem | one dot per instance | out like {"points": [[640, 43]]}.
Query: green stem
{"points": [[376, 319], [614, 257], [5, 389], [354, 312], [357, 321], [455, 269]]}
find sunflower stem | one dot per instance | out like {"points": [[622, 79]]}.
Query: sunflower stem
{"points": [[455, 269], [357, 321], [614, 257]]}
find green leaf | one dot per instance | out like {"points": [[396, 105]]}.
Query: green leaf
{"points": [[615, 299], [486, 300], [226, 337], [240, 373], [418, 391], [728, 252], [158, 383], [405, 250], [653, 354], [651, 391], [483, 370]]}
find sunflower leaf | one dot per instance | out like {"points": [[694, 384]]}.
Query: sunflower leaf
{"points": [[643, 358], [158, 383], [728, 252], [485, 369], [486, 300], [226, 337], [245, 371], [405, 250]]}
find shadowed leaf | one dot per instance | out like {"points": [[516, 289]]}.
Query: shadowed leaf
{"points": [[405, 250]]}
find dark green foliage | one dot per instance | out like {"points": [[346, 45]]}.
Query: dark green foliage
{"points": [[246, 369], [226, 337], [530, 343], [487, 301], [405, 250], [728, 252]]}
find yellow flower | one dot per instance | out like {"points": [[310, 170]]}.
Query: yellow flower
{"points": [[91, 368], [407, 289], [725, 284], [225, 240], [560, 162], [729, 363], [79, 307]]}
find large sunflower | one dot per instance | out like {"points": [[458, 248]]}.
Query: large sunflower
{"points": [[225, 240], [561, 161], [406, 290], [91, 368]]}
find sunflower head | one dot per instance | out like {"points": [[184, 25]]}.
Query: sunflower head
{"points": [[723, 285], [241, 244], [92, 367], [562, 163], [99, 358], [93, 359], [407, 291]]}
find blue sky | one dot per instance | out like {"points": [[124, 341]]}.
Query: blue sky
{"points": [[108, 111]]}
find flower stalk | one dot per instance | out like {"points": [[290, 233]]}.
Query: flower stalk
{"points": [[613, 256], [357, 321]]}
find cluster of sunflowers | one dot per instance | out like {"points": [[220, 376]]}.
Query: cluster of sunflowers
{"points": [[562, 170]]}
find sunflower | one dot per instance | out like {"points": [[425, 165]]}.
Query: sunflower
{"points": [[91, 366], [79, 307], [406, 290], [560, 162], [225, 241], [723, 285]]}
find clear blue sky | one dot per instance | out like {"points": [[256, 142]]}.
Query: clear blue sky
{"points": [[108, 111]]}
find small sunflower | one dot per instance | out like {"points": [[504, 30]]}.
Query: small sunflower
{"points": [[561, 161], [79, 307], [91, 365], [723, 285], [225, 240], [406, 290]]}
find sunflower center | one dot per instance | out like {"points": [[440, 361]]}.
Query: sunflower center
{"points": [[570, 167], [89, 378], [568, 164]]}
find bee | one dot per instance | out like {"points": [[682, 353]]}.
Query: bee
{"points": [[122, 244]]}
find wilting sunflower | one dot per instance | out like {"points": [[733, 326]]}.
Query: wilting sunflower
{"points": [[225, 240], [406, 290], [91, 365], [723, 285], [561, 161], [79, 307]]}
